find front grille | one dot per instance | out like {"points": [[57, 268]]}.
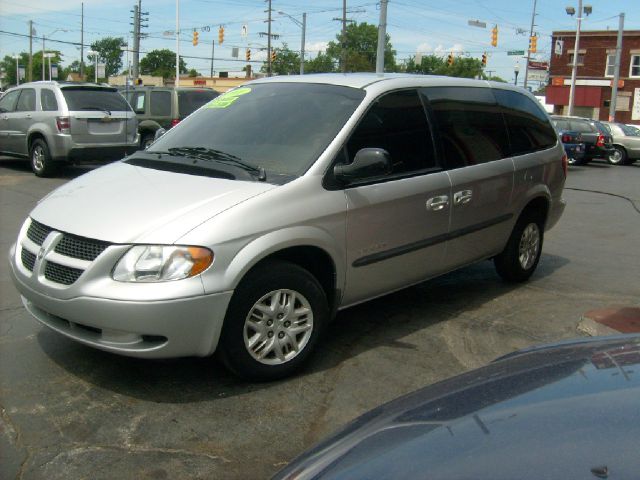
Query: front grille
{"points": [[37, 232], [28, 259], [61, 274], [80, 247]]}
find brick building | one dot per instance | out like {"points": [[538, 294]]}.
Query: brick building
{"points": [[596, 60]]}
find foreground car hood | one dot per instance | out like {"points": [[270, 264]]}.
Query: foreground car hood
{"points": [[122, 203], [567, 412]]}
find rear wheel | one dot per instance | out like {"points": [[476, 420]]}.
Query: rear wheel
{"points": [[618, 156], [273, 322], [519, 259], [41, 162]]}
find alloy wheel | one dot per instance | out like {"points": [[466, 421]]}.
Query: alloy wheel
{"points": [[529, 246]]}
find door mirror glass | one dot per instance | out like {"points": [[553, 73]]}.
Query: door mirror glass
{"points": [[368, 163]]}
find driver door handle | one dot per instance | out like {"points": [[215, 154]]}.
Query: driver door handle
{"points": [[436, 204]]}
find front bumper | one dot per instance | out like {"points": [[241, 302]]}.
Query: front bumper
{"points": [[159, 328]]}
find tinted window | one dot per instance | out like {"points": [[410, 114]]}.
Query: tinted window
{"points": [[161, 104], [282, 127], [84, 98], [527, 123], [48, 100], [27, 100], [470, 125], [396, 123], [138, 101], [562, 124], [8, 101], [190, 101], [582, 127]]}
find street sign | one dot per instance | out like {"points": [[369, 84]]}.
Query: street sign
{"points": [[537, 75], [539, 65], [515, 52], [477, 23]]}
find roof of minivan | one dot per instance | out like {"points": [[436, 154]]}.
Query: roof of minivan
{"points": [[362, 80]]}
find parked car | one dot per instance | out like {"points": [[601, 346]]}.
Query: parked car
{"points": [[573, 147], [598, 144], [567, 410], [53, 122], [247, 226], [164, 107], [626, 143]]}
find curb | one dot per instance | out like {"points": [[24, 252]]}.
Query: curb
{"points": [[594, 329]]}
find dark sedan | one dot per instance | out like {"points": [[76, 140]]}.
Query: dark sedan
{"points": [[567, 411], [573, 147]]}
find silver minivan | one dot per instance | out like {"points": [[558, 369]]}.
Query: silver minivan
{"points": [[246, 227], [53, 122]]}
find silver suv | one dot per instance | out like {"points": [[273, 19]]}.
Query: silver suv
{"points": [[50, 122], [247, 226]]}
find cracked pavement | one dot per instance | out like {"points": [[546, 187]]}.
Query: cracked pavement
{"points": [[71, 412]]}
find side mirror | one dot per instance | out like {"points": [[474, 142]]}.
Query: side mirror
{"points": [[159, 133], [369, 162]]}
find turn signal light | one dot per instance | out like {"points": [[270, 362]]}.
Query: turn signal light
{"points": [[175, 121], [600, 142]]}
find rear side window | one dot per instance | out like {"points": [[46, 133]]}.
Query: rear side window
{"points": [[161, 104], [528, 125], [138, 101], [94, 99], [396, 123], [8, 101], [470, 125], [48, 100], [562, 124], [190, 101], [27, 100]]}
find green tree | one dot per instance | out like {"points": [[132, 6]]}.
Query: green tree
{"points": [[110, 53], [193, 73], [287, 62], [161, 63], [8, 66], [361, 44], [322, 63], [434, 65]]}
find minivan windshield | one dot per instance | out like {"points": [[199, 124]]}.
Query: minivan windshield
{"points": [[279, 128]]}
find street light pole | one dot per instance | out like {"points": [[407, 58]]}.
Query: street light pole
{"points": [[43, 49], [95, 59], [302, 25], [17, 57], [576, 52]]}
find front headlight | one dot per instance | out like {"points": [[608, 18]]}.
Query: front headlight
{"points": [[157, 263]]}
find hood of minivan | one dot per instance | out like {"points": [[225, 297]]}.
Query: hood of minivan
{"points": [[122, 203]]}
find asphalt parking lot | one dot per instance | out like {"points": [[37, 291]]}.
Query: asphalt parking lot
{"points": [[71, 412]]}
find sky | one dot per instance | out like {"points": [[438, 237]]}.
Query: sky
{"points": [[425, 26]]}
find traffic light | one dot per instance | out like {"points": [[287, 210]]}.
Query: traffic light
{"points": [[533, 44], [484, 59], [450, 59], [273, 56], [137, 81], [248, 55], [494, 36], [195, 38], [220, 35]]}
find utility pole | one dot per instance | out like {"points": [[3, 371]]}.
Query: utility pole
{"points": [[269, 41], [30, 73], [343, 56], [81, 43], [213, 49], [526, 67], [382, 37], [177, 81], [136, 40], [616, 73], [304, 31]]}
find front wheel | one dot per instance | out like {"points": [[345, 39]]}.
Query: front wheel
{"points": [[618, 156], [40, 158], [519, 259], [273, 322]]}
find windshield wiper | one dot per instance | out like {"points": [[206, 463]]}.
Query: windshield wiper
{"points": [[204, 153]]}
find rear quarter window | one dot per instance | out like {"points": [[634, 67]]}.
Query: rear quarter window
{"points": [[528, 125], [582, 127], [161, 104], [94, 99]]}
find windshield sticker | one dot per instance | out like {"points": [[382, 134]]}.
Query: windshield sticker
{"points": [[226, 99]]}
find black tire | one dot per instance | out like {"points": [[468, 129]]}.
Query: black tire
{"points": [[146, 140], [272, 279], [40, 158], [517, 262], [618, 156]]}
